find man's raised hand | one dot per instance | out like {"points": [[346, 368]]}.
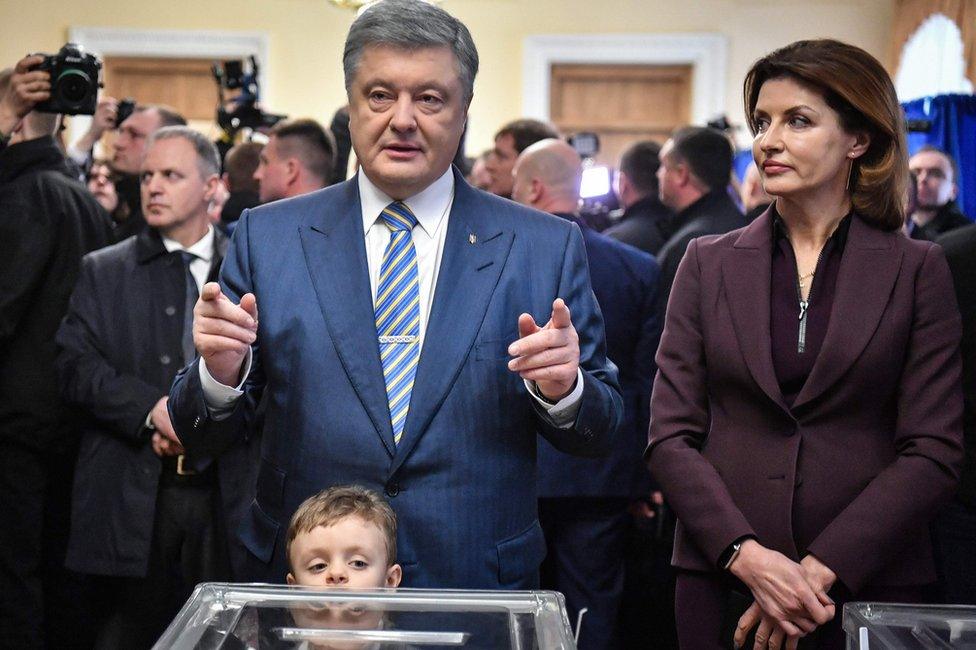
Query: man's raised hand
{"points": [[223, 332], [547, 355]]}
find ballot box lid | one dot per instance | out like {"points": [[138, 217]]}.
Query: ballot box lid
{"points": [[245, 616], [872, 626]]}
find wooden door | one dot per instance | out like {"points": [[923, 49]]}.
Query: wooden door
{"points": [[621, 103]]}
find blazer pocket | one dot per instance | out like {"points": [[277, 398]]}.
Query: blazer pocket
{"points": [[519, 557], [493, 350], [259, 531]]}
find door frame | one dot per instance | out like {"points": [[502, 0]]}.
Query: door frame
{"points": [[706, 52]]}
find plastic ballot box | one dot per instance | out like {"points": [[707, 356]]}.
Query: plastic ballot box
{"points": [[873, 626], [259, 617]]}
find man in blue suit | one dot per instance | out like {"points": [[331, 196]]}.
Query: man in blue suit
{"points": [[399, 346], [583, 502]]}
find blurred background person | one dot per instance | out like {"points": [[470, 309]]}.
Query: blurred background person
{"points": [[101, 183], [646, 223], [935, 210], [754, 197], [479, 176], [510, 141], [299, 158], [240, 165]]}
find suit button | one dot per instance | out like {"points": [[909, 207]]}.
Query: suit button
{"points": [[392, 489], [165, 359], [170, 311]]}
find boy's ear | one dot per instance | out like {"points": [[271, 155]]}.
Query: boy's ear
{"points": [[393, 576], [290, 579]]}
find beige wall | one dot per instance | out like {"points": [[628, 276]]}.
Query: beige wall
{"points": [[305, 75]]}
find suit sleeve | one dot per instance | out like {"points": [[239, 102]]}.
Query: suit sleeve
{"points": [[601, 406], [88, 379], [679, 423], [927, 437], [201, 433]]}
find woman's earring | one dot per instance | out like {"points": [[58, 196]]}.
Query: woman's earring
{"points": [[850, 172]]}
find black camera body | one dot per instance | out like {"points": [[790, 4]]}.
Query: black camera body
{"points": [[74, 81]]}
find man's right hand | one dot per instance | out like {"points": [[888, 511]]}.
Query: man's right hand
{"points": [[223, 332], [165, 442], [26, 89], [102, 121]]}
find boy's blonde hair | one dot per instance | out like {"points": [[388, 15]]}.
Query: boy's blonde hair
{"points": [[335, 503]]}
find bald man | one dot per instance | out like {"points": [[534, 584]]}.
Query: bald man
{"points": [[583, 503]]}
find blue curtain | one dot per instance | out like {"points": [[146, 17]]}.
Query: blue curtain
{"points": [[953, 129]]}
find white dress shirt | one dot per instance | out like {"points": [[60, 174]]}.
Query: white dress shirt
{"points": [[203, 249], [432, 207]]}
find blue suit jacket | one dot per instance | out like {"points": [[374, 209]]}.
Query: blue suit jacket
{"points": [[625, 281], [462, 479]]}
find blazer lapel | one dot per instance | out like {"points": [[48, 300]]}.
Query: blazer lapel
{"points": [[746, 278], [334, 245], [866, 277], [475, 252]]}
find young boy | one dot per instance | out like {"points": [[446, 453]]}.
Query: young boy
{"points": [[343, 537]]}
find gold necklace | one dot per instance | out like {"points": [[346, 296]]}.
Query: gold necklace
{"points": [[801, 278]]}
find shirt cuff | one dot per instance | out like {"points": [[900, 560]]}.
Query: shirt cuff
{"points": [[221, 399], [563, 413]]}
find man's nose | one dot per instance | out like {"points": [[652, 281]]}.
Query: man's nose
{"points": [[404, 117]]}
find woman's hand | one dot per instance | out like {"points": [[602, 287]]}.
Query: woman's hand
{"points": [[769, 636], [819, 577], [781, 589]]}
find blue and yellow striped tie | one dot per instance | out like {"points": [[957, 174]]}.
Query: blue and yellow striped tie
{"points": [[398, 314]]}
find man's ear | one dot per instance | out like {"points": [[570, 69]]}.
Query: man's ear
{"points": [[535, 194], [292, 170], [212, 182], [393, 576], [290, 579]]}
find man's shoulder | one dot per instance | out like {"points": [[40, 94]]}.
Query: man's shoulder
{"points": [[606, 246], [116, 255], [960, 242]]}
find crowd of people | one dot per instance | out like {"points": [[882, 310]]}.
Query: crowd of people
{"points": [[251, 369]]}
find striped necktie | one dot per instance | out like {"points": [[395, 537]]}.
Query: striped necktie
{"points": [[398, 314]]}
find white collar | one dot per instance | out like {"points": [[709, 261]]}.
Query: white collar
{"points": [[203, 249], [429, 206]]}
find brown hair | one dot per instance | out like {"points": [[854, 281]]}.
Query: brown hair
{"points": [[855, 85], [313, 145], [526, 132], [335, 503]]}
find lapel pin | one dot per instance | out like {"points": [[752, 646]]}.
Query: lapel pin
{"points": [[472, 238]]}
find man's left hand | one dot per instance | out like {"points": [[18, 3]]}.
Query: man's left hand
{"points": [[547, 355]]}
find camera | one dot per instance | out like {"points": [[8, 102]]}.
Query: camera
{"points": [[245, 112], [74, 81]]}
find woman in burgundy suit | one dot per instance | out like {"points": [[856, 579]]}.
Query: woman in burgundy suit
{"points": [[806, 417]]}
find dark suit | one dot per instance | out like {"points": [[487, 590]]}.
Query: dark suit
{"points": [[120, 348], [956, 527], [461, 480], [583, 503], [647, 225], [872, 443], [713, 214], [948, 218], [48, 221]]}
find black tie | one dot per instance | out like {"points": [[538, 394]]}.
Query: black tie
{"points": [[189, 351]]}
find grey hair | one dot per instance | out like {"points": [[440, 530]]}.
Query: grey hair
{"points": [[411, 25], [208, 160]]}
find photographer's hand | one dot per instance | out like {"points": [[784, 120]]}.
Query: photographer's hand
{"points": [[102, 121], [26, 89]]}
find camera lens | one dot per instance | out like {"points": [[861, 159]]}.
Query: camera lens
{"points": [[73, 86]]}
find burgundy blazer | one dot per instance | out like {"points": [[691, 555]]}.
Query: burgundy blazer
{"points": [[873, 443]]}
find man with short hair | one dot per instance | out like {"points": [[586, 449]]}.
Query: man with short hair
{"points": [[149, 521], [511, 140], [48, 221], [415, 334], [129, 149], [936, 211], [582, 502], [299, 158], [240, 163], [696, 164], [646, 223]]}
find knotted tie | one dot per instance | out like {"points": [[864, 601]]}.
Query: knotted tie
{"points": [[189, 350], [398, 314]]}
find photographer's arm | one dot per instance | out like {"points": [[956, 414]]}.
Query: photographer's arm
{"points": [[24, 89]]}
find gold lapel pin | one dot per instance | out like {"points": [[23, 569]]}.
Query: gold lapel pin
{"points": [[472, 238]]}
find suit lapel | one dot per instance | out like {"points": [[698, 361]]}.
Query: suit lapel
{"points": [[867, 274], [467, 277], [335, 253], [746, 272]]}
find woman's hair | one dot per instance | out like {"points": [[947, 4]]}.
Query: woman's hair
{"points": [[855, 85]]}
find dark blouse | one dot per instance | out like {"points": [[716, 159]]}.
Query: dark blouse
{"points": [[796, 337]]}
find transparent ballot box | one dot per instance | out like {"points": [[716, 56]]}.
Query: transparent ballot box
{"points": [[259, 617], [873, 626]]}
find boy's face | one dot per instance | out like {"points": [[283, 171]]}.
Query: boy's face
{"points": [[349, 554]]}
